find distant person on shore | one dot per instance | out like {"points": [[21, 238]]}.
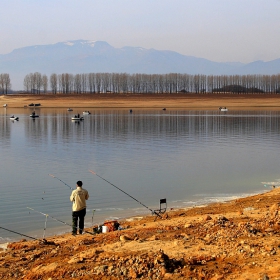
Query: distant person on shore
{"points": [[78, 197]]}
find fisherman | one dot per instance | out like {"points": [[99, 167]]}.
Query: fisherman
{"points": [[78, 197]]}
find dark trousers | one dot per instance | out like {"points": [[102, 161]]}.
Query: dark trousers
{"points": [[78, 215]]}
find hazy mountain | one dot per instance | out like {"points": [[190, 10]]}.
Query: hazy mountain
{"points": [[83, 56]]}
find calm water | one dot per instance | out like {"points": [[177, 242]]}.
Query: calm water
{"points": [[189, 157]]}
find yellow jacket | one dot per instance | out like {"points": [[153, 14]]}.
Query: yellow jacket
{"points": [[79, 197]]}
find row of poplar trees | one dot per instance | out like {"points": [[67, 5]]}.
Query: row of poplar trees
{"points": [[150, 83]]}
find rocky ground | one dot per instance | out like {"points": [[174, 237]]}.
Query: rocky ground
{"points": [[233, 240]]}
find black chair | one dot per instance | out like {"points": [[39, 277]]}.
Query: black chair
{"points": [[162, 208]]}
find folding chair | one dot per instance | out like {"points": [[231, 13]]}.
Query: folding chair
{"points": [[162, 208]]}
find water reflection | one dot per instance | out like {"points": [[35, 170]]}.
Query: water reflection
{"points": [[189, 157]]}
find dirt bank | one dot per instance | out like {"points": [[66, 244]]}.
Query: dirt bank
{"points": [[186, 101], [234, 240]]}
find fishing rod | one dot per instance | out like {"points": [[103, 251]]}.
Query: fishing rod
{"points": [[61, 181], [47, 215], [19, 233], [153, 212]]}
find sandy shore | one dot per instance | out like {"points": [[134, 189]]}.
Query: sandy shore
{"points": [[233, 240], [186, 101]]}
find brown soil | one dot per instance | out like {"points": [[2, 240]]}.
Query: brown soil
{"points": [[234, 240], [186, 101]]}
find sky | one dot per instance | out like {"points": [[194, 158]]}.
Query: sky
{"points": [[218, 30]]}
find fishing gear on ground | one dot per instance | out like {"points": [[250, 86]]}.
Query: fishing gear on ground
{"points": [[108, 226]]}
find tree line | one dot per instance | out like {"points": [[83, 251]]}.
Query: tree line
{"points": [[5, 83], [67, 83], [151, 83]]}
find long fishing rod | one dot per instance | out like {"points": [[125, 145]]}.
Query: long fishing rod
{"points": [[61, 181], [153, 212], [19, 233], [47, 215]]}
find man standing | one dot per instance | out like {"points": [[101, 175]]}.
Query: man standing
{"points": [[79, 197]]}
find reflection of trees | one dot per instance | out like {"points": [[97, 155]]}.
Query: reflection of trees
{"points": [[120, 126], [5, 131]]}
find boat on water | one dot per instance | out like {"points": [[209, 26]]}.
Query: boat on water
{"points": [[69, 109], [34, 104], [77, 118], [5, 105], [223, 109], [13, 118], [86, 113]]}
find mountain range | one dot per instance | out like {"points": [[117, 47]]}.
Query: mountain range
{"points": [[83, 56]]}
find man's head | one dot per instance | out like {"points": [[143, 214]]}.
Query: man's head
{"points": [[79, 183]]}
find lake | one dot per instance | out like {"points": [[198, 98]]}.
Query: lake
{"points": [[189, 157]]}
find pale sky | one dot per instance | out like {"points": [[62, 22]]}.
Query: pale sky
{"points": [[218, 30]]}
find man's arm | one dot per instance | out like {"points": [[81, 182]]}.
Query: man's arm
{"points": [[72, 196]]}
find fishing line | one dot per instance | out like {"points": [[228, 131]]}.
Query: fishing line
{"points": [[93, 210], [45, 227], [47, 215], [61, 181], [153, 212], [19, 233]]}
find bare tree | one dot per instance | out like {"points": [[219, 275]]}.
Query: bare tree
{"points": [[38, 82], [77, 83], [91, 82], [5, 83], [53, 83], [84, 82], [27, 83], [1, 84], [45, 83]]}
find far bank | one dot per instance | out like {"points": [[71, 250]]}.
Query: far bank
{"points": [[147, 101]]}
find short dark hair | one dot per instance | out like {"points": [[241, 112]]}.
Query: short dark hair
{"points": [[79, 183]]}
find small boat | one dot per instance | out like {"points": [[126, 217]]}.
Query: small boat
{"points": [[77, 118], [223, 109], [13, 118], [69, 109], [34, 104], [5, 105], [86, 113]]}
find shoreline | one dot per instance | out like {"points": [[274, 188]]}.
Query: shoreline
{"points": [[147, 101], [59, 230], [238, 239]]}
